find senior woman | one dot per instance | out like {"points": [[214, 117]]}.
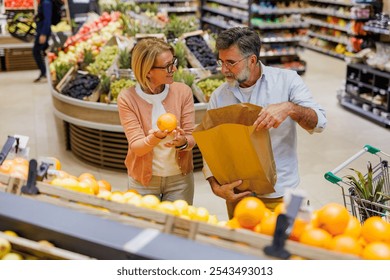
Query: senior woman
{"points": [[158, 162]]}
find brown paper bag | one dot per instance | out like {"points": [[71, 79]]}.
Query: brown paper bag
{"points": [[233, 150]]}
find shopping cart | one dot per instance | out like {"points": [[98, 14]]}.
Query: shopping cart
{"points": [[369, 194]]}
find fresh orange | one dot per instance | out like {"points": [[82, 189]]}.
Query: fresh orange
{"points": [[86, 175], [354, 227], [212, 220], [376, 251], [316, 237], [150, 201], [376, 229], [117, 197], [6, 166], [333, 218], [19, 168], [92, 183], [62, 174], [314, 218], [132, 191], [135, 200], [168, 207], [233, 223], [85, 187], [182, 206], [345, 244], [268, 224], [202, 214], [249, 211], [104, 185], [257, 228], [20, 160], [298, 228], [167, 121], [280, 208], [105, 194]]}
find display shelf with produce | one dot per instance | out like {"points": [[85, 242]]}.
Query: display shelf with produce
{"points": [[180, 8], [130, 218], [217, 15], [337, 27], [281, 29]]}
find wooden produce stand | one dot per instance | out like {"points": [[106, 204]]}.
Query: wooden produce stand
{"points": [[240, 243], [97, 236]]}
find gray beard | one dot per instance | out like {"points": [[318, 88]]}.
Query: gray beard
{"points": [[240, 78]]}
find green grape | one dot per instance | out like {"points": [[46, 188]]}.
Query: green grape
{"points": [[118, 85]]}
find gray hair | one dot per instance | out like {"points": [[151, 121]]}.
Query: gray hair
{"points": [[246, 39]]}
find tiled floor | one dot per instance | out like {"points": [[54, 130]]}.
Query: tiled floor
{"points": [[26, 109]]}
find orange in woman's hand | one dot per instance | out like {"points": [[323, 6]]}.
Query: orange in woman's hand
{"points": [[167, 121]]}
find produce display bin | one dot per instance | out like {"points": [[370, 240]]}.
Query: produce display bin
{"points": [[19, 59], [97, 237], [87, 217]]}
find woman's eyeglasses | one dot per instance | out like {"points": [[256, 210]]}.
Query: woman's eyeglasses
{"points": [[169, 67], [229, 65]]}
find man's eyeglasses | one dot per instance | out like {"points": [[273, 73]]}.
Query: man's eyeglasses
{"points": [[169, 67], [229, 65]]}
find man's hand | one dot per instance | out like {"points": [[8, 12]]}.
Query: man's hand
{"points": [[42, 39], [227, 191], [272, 115]]}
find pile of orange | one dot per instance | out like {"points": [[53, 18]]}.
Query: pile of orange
{"points": [[331, 227], [17, 167], [167, 121]]}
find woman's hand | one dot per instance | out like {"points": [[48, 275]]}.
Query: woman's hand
{"points": [[179, 138], [158, 133]]}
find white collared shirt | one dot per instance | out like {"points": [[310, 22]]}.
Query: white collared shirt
{"points": [[275, 86]]}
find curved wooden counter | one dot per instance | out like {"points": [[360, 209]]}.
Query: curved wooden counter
{"points": [[94, 133]]}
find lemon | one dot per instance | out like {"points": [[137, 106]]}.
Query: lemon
{"points": [[150, 201]]}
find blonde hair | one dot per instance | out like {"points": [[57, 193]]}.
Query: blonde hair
{"points": [[143, 57]]}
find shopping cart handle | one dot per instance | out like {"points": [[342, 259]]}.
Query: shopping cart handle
{"points": [[332, 178], [371, 149]]}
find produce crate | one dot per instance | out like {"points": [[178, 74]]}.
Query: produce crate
{"points": [[140, 36], [239, 240], [199, 94], [8, 183], [191, 58], [19, 59], [31, 249]]}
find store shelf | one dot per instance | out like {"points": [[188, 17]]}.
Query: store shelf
{"points": [[328, 38], [348, 3], [322, 50], [233, 3], [377, 30], [369, 115], [218, 15], [281, 29], [225, 13], [321, 23], [345, 16], [367, 92]]}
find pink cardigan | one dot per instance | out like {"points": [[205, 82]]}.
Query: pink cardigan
{"points": [[136, 118]]}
